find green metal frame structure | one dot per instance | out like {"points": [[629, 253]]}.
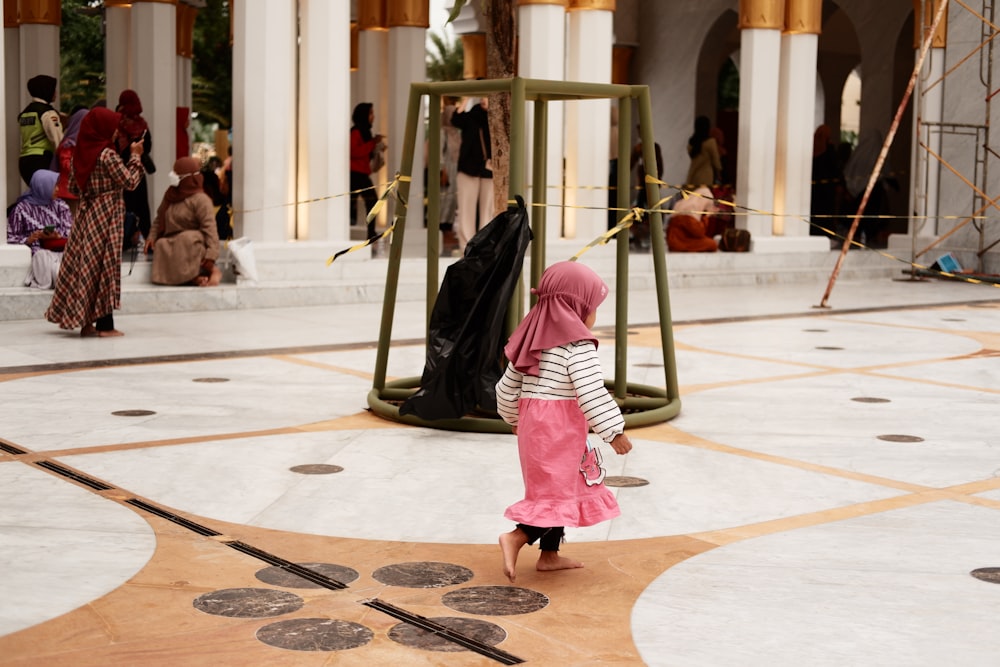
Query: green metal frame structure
{"points": [[642, 405]]}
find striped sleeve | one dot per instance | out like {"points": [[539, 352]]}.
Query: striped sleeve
{"points": [[600, 410], [508, 391]]}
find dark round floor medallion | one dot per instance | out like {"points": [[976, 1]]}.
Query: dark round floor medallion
{"points": [[495, 600], [952, 319], [483, 632], [248, 602], [870, 399], [422, 574], [315, 634], [210, 380], [828, 347], [816, 330], [316, 469], [278, 576], [133, 413], [896, 437], [989, 574], [625, 482]]}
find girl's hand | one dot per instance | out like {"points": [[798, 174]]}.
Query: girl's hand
{"points": [[621, 444], [136, 148]]}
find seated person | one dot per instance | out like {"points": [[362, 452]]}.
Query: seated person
{"points": [[183, 238], [43, 223], [686, 231]]}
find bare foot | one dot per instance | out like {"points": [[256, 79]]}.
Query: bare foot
{"points": [[510, 545], [214, 279], [110, 334], [550, 561], [88, 331]]}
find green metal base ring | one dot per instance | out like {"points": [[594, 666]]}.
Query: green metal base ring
{"points": [[644, 406]]}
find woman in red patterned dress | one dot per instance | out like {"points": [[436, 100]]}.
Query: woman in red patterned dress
{"points": [[89, 285]]}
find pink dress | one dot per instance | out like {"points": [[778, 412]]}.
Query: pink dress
{"points": [[553, 413]]}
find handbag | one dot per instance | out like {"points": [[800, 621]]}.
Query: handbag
{"points": [[148, 164], [735, 240], [377, 157], [482, 143]]}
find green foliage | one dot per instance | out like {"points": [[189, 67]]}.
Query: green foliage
{"points": [[81, 52], [81, 49], [456, 10], [212, 67], [729, 87], [445, 61]]}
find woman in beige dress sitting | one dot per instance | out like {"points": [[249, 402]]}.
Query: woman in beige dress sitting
{"points": [[184, 239]]}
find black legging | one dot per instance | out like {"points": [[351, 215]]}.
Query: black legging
{"points": [[362, 182], [106, 323], [551, 538]]}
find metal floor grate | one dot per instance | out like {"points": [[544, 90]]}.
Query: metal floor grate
{"points": [[11, 449], [288, 566], [428, 625], [170, 516], [75, 476]]}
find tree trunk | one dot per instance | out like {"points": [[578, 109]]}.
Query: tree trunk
{"points": [[500, 65]]}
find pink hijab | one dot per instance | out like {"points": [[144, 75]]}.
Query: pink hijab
{"points": [[567, 293]]}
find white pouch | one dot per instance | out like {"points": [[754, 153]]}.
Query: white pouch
{"points": [[241, 250]]}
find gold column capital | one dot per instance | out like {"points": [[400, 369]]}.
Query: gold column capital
{"points": [[354, 45], [38, 12], [762, 14], [10, 14], [474, 55], [581, 5], [804, 17], [408, 14], [186, 15], [118, 3], [621, 61], [525, 3], [165, 2], [372, 15], [924, 12]]}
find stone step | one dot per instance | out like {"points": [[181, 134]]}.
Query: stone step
{"points": [[296, 274]]}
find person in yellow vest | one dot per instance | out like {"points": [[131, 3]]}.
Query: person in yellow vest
{"points": [[41, 130]]}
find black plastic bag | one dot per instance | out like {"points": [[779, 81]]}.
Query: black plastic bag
{"points": [[467, 327]]}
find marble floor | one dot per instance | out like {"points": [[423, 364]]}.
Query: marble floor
{"points": [[211, 489]]}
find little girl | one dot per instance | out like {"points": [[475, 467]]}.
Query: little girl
{"points": [[551, 394]]}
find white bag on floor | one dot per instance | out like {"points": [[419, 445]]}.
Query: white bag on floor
{"points": [[241, 250]]}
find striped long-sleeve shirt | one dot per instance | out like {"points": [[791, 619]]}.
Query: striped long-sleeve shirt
{"points": [[567, 372]]}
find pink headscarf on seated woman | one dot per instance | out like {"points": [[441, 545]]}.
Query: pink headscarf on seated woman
{"points": [[698, 203], [567, 293]]}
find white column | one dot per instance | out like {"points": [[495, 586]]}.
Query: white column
{"points": [[324, 119], [796, 112], [39, 53], [373, 87], [5, 138], [588, 124], [264, 92], [760, 56], [183, 65], [14, 93], [406, 66], [541, 53], [154, 27], [117, 51], [926, 173]]}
